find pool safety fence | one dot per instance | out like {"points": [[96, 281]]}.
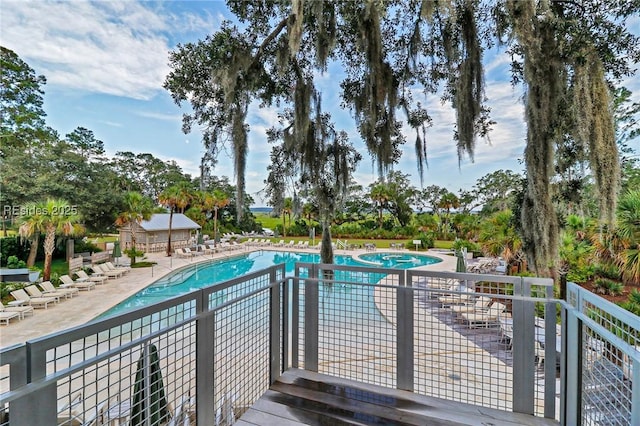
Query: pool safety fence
{"points": [[493, 341]]}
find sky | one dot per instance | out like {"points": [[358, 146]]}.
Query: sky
{"points": [[105, 63]]}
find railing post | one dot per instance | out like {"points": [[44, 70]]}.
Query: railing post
{"points": [[635, 393], [205, 362], [404, 334], [523, 349], [20, 409], [44, 399], [311, 322], [550, 315], [573, 361], [295, 320], [275, 360]]}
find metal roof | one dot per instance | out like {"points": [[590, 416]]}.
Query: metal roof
{"points": [[160, 222]]}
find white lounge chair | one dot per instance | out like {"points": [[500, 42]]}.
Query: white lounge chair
{"points": [[6, 316], [490, 317], [104, 270], [80, 285], [34, 291], [36, 302], [118, 267], [48, 288], [98, 279], [19, 307]]}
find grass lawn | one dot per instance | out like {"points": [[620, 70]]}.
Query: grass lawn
{"points": [[58, 266], [271, 222]]}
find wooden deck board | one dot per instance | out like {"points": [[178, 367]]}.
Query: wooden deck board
{"points": [[300, 397]]}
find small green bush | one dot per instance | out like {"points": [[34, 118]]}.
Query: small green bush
{"points": [[14, 263], [426, 240], [609, 271], [607, 286], [469, 245]]}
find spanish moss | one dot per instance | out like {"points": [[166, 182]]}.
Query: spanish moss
{"points": [[544, 74], [595, 129]]}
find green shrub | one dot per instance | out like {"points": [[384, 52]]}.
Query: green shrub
{"points": [[7, 288], [82, 245], [13, 246], [426, 240], [610, 271], [607, 286], [469, 245], [14, 263]]}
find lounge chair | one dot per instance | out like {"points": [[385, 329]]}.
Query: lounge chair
{"points": [[19, 307], [98, 279], [279, 244], [486, 319], [118, 267], [36, 302], [34, 291], [465, 297], [48, 288], [180, 253], [481, 305], [80, 285], [6, 316], [100, 269], [190, 252]]}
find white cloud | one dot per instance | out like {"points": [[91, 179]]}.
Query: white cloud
{"points": [[115, 47]]}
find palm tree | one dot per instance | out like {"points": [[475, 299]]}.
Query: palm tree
{"points": [[380, 195], [138, 208], [175, 197], [54, 217], [499, 238], [628, 214], [31, 227], [287, 208], [219, 200]]}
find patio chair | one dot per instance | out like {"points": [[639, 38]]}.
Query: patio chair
{"points": [[80, 285], [190, 252], [465, 297], [6, 316], [98, 279], [481, 305], [34, 291], [104, 270], [489, 318], [113, 267], [36, 302], [48, 288], [181, 253], [19, 307]]}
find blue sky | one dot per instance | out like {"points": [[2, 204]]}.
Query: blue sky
{"points": [[105, 63]]}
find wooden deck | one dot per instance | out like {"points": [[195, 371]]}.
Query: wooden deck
{"points": [[301, 397]]}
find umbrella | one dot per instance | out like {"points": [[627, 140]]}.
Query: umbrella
{"points": [[116, 253], [461, 265], [149, 401], [200, 238]]}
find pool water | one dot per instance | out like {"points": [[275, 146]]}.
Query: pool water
{"points": [[203, 275], [398, 260]]}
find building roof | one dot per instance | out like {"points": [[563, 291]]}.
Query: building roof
{"points": [[160, 222]]}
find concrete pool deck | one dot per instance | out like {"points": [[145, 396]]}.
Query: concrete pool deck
{"points": [[89, 304]]}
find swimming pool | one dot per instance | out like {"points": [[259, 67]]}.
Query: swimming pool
{"points": [[198, 276]]}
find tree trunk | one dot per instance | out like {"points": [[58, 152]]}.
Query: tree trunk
{"points": [[326, 250], [170, 224], [215, 226], [49, 246], [33, 250], [133, 245]]}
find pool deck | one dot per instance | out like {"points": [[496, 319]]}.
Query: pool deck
{"points": [[89, 304]]}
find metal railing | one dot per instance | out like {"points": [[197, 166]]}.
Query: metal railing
{"points": [[493, 341]]}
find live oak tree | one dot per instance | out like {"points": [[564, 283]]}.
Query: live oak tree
{"points": [[566, 53]]}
